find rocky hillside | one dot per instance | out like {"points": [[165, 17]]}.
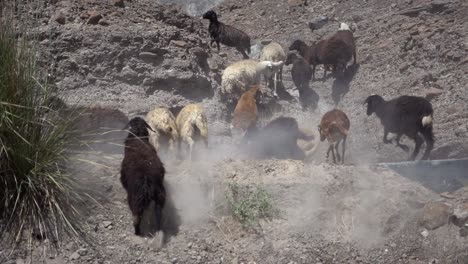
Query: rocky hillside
{"points": [[404, 47], [131, 56], [136, 55]]}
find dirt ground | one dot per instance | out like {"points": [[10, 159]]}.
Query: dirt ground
{"points": [[145, 55]]}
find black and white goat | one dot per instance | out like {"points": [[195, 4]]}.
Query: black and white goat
{"points": [[405, 115]]}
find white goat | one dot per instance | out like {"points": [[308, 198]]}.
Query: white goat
{"points": [[241, 75], [273, 52]]}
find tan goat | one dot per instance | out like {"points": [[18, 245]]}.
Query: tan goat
{"points": [[245, 113], [334, 127], [192, 125], [163, 122]]}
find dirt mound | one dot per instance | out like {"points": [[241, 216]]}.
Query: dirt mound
{"points": [[136, 55], [328, 214]]}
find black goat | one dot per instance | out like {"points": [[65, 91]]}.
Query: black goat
{"points": [[226, 34], [305, 50], [301, 74], [278, 139], [142, 173], [405, 115]]}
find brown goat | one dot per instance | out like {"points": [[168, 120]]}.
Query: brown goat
{"points": [[334, 127], [246, 113]]}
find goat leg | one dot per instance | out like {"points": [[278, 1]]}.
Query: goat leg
{"points": [[429, 145], [158, 214], [136, 224], [172, 148], [404, 147], [242, 51], [417, 147], [328, 151], [274, 85], [217, 44], [313, 72], [211, 43], [338, 157], [343, 145], [190, 150], [333, 146]]}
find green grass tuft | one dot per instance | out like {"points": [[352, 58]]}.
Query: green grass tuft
{"points": [[249, 204], [37, 196]]}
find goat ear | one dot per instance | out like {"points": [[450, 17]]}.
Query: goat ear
{"points": [[366, 101]]}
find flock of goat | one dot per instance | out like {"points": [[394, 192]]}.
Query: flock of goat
{"points": [[142, 172]]}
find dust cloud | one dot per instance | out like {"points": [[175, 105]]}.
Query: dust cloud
{"points": [[194, 7]]}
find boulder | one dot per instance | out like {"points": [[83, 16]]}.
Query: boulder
{"points": [[435, 215]]}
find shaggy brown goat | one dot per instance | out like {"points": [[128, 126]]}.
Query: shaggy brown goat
{"points": [[334, 127], [246, 113], [334, 51], [192, 125], [345, 34], [142, 174]]}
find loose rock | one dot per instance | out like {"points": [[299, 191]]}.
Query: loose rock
{"points": [[60, 18], [179, 43], [106, 224], [434, 215], [119, 3], [75, 256], [94, 18]]}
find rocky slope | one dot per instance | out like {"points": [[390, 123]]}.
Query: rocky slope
{"points": [[136, 55], [143, 55], [328, 214], [404, 47]]}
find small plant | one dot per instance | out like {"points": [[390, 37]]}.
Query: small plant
{"points": [[38, 198], [250, 204]]}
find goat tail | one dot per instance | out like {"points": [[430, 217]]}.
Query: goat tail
{"points": [[427, 120]]}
